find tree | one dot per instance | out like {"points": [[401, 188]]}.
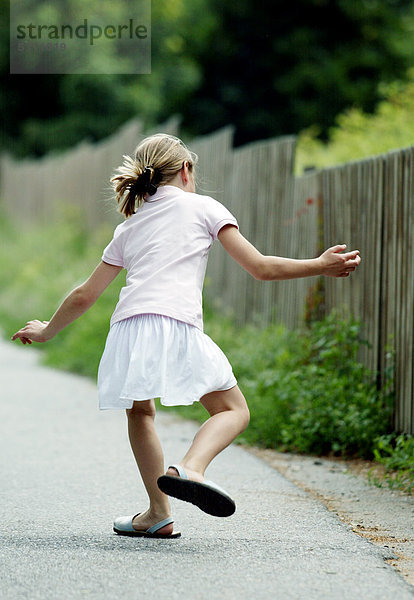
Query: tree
{"points": [[50, 112], [268, 68], [275, 68]]}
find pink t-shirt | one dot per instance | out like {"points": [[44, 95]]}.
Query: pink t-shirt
{"points": [[164, 248]]}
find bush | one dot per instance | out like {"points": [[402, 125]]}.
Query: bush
{"points": [[306, 390], [396, 453]]}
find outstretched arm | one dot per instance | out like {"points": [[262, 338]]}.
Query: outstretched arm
{"points": [[74, 305], [334, 262]]}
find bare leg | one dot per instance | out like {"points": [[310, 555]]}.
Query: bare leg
{"points": [[149, 456], [229, 416]]}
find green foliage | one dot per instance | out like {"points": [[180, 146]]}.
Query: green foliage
{"points": [[358, 134], [396, 453], [39, 267], [276, 68], [306, 390], [67, 108]]}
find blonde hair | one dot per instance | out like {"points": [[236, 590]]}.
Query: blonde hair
{"points": [[157, 159]]}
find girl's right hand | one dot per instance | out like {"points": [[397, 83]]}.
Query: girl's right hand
{"points": [[337, 263], [34, 331]]}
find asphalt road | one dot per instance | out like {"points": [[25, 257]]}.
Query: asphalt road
{"points": [[67, 472]]}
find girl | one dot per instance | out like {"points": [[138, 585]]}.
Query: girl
{"points": [[156, 346]]}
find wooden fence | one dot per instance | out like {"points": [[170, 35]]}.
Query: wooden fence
{"points": [[367, 204], [370, 204], [34, 191]]}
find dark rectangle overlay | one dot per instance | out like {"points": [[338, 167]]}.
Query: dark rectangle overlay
{"points": [[94, 37]]}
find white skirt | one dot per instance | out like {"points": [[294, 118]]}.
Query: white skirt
{"points": [[153, 356]]}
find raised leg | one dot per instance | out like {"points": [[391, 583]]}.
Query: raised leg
{"points": [[229, 416]]}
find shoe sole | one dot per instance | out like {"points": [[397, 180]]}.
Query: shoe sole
{"points": [[208, 499], [173, 535]]}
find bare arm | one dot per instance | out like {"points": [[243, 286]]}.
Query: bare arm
{"points": [[74, 305], [334, 262]]}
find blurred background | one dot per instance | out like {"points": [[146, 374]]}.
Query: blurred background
{"points": [[268, 68]]}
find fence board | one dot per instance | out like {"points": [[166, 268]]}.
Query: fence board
{"points": [[353, 215], [301, 230], [398, 283]]}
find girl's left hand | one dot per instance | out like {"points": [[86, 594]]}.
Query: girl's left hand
{"points": [[34, 331]]}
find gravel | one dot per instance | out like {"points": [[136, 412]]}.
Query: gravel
{"points": [[382, 516]]}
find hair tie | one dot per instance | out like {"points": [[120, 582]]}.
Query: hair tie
{"points": [[146, 182]]}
